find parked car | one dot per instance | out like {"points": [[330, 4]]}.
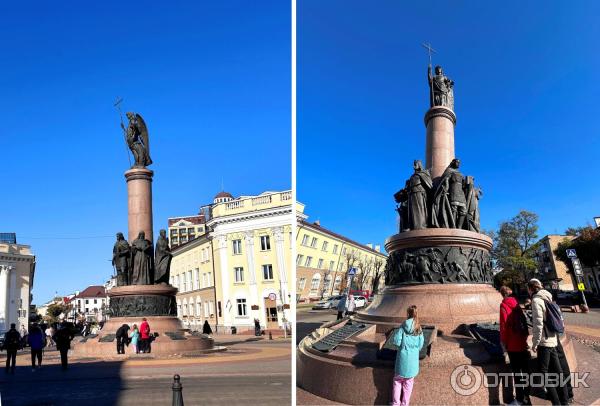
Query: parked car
{"points": [[2, 340], [329, 303], [360, 301]]}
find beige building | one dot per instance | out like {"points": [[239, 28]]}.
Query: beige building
{"points": [[186, 228], [553, 272], [17, 271], [240, 268], [324, 258]]}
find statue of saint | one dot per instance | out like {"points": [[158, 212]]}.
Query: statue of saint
{"points": [[443, 212], [401, 198], [142, 261], [136, 134], [458, 201], [441, 89], [473, 194], [420, 185], [121, 260], [162, 262]]}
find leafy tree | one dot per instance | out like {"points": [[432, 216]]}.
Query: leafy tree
{"points": [[574, 231], [515, 246], [55, 310], [587, 246]]}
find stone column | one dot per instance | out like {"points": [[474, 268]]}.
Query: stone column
{"points": [[252, 287], [4, 293], [139, 193], [225, 288], [439, 149], [279, 236]]}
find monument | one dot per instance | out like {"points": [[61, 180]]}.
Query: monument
{"points": [[143, 289], [438, 261]]}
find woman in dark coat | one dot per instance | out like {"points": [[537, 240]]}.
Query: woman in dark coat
{"points": [[206, 328]]}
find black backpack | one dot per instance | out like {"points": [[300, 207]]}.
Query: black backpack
{"points": [[554, 320], [518, 322]]}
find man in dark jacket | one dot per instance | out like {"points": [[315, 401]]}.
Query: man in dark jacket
{"points": [[12, 343], [122, 338], [63, 338], [36, 340]]}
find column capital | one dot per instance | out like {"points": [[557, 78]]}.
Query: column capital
{"points": [[278, 233]]}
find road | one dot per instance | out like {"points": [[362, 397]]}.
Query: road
{"points": [[258, 373], [308, 320]]}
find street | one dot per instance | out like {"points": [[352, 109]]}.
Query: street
{"points": [[308, 320], [250, 372]]}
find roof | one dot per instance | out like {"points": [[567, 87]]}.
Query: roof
{"points": [[92, 291], [199, 219], [317, 226], [223, 194]]}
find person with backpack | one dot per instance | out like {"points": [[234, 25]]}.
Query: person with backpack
{"points": [[12, 343], [546, 325], [409, 341], [37, 342], [63, 338], [513, 336]]}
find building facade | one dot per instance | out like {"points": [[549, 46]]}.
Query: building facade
{"points": [[240, 269], [324, 258], [17, 271], [553, 272], [91, 303], [186, 228]]}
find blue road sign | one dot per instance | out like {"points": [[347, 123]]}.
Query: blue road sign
{"points": [[352, 272], [571, 253]]}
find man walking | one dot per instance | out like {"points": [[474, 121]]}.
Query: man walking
{"points": [[341, 307], [12, 342], [63, 338], [36, 339], [144, 336]]}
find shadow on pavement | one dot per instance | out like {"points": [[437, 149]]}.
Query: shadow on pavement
{"points": [[96, 383]]}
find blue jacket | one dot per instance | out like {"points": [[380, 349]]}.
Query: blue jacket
{"points": [[407, 358], [36, 339]]}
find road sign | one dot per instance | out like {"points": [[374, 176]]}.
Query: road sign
{"points": [[581, 286], [352, 272], [571, 253], [576, 266]]}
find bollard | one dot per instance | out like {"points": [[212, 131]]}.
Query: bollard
{"points": [[270, 335], [177, 393]]}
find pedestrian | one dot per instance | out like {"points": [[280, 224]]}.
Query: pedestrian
{"points": [[544, 342], [513, 337], [256, 327], [49, 334], [23, 332], [62, 338], [409, 340], [144, 336], [350, 305], [206, 328], [122, 337], [564, 364], [12, 343], [37, 341], [341, 308], [135, 337]]}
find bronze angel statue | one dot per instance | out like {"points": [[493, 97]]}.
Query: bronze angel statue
{"points": [[136, 134]]}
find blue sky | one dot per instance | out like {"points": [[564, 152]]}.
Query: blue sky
{"points": [[526, 90], [211, 79]]}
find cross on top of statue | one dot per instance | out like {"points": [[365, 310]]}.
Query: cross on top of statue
{"points": [[441, 88]]}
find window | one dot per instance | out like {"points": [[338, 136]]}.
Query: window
{"points": [[191, 308], [239, 274], [335, 248], [204, 280], [210, 279], [198, 307], [179, 311], [301, 284], [320, 263], [331, 264], [206, 311], [314, 283], [197, 279], [189, 280], [299, 259], [337, 284], [265, 243], [237, 247], [241, 307], [211, 308], [344, 251], [324, 246], [313, 243], [87, 301], [95, 301], [327, 284], [267, 272], [305, 240], [308, 261]]}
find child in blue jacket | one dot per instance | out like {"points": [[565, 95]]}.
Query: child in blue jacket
{"points": [[409, 340]]}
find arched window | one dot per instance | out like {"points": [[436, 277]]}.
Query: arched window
{"points": [[337, 284], [198, 307], [314, 284], [327, 285], [185, 307]]}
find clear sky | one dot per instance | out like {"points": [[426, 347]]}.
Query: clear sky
{"points": [[526, 95], [211, 79]]}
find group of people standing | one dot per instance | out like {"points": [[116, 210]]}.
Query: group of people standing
{"points": [[346, 306], [38, 339], [139, 338], [546, 325]]}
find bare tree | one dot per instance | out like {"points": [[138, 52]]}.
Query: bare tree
{"points": [[366, 266], [350, 259], [377, 273]]}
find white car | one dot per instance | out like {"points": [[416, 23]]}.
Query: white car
{"points": [[360, 301]]}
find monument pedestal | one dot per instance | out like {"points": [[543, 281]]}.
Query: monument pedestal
{"points": [[129, 305]]}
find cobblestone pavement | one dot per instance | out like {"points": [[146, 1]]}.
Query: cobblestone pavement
{"points": [[257, 372]]}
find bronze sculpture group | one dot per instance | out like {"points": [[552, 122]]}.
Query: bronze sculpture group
{"points": [[452, 201], [140, 264]]}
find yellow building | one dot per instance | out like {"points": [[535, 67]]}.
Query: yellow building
{"points": [[183, 229], [324, 258], [240, 268], [553, 272]]}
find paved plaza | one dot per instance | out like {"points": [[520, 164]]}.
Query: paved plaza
{"points": [[256, 372]]}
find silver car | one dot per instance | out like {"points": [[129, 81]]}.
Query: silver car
{"points": [[329, 303]]}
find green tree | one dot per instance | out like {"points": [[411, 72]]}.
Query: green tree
{"points": [[515, 247], [587, 246], [55, 310]]}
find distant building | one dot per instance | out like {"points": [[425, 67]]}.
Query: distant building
{"points": [[553, 273], [91, 303], [240, 268], [8, 238], [186, 228], [17, 271], [324, 258]]}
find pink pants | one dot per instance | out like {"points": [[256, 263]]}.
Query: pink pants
{"points": [[402, 386]]}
